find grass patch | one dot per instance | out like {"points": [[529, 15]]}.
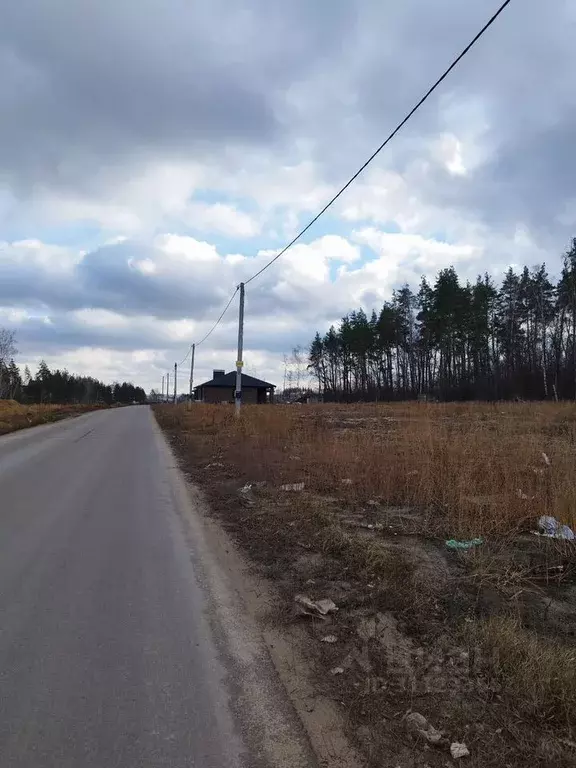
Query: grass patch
{"points": [[15, 416], [538, 676]]}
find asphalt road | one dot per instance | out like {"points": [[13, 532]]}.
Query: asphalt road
{"points": [[108, 653]]}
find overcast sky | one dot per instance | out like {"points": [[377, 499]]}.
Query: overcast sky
{"points": [[153, 153]]}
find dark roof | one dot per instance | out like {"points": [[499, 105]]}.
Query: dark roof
{"points": [[229, 380]]}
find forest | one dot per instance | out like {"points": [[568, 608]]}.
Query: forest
{"points": [[57, 386], [454, 341]]}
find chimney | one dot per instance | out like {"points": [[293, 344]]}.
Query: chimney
{"points": [[217, 373]]}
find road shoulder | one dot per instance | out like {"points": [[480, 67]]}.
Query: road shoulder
{"points": [[281, 711]]}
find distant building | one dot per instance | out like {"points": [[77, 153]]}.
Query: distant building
{"points": [[222, 386], [308, 398]]}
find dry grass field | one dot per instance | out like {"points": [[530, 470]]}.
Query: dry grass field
{"points": [[480, 641], [14, 416]]}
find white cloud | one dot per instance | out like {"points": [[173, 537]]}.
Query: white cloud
{"points": [[181, 331], [220, 218], [419, 252], [298, 186], [159, 192], [12, 316], [184, 248], [450, 153], [107, 364], [54, 258], [387, 196], [307, 263], [146, 266]]}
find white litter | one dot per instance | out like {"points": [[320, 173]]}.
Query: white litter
{"points": [[564, 532], [337, 671], [545, 459], [292, 487], [331, 639], [458, 750], [550, 527], [417, 724], [326, 606], [318, 608]]}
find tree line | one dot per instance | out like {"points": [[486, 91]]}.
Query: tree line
{"points": [[455, 341], [57, 386]]}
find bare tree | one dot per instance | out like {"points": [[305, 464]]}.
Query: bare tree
{"points": [[7, 345], [298, 362], [285, 371], [7, 353]]}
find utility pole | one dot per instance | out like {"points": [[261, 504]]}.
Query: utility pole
{"points": [[167, 386], [175, 382], [239, 361], [162, 395], [192, 372]]}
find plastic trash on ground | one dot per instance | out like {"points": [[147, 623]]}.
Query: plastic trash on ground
{"points": [[458, 750], [320, 608], [453, 544], [419, 726], [550, 527], [292, 487]]}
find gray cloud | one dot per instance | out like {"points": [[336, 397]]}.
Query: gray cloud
{"points": [[109, 279], [90, 92], [66, 333]]}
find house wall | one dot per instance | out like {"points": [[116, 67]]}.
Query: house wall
{"points": [[250, 395], [218, 394], [226, 394]]}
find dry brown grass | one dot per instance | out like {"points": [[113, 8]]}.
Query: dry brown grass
{"points": [[385, 485], [15, 416], [539, 674], [479, 468]]}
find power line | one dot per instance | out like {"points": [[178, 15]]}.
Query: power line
{"points": [[384, 143], [187, 356], [217, 323]]}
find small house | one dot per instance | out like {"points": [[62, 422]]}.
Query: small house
{"points": [[222, 386]]}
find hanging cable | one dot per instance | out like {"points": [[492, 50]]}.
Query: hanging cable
{"points": [[187, 356], [384, 143], [217, 323]]}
